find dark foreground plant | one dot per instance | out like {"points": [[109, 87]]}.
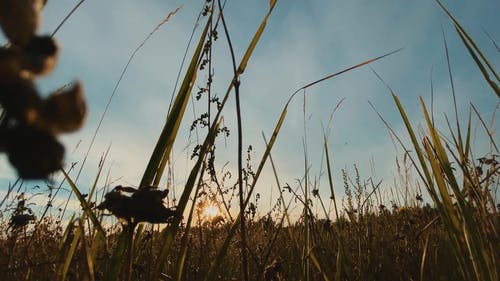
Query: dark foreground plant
{"points": [[29, 124]]}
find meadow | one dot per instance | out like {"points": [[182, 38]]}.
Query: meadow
{"points": [[443, 222]]}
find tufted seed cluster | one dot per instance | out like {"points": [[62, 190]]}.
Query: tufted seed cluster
{"points": [[30, 123], [138, 205]]}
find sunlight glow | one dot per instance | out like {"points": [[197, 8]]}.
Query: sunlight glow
{"points": [[210, 211]]}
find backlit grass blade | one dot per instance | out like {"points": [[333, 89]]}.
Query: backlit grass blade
{"points": [[255, 39], [317, 264], [62, 251], [367, 62], [428, 178], [424, 255], [485, 127], [475, 52], [222, 251], [442, 187], [89, 260], [99, 171], [85, 205], [66, 233], [79, 231], [340, 256], [168, 235], [67, 17], [167, 137], [63, 271], [330, 177], [463, 231], [466, 228], [440, 151], [480, 65]]}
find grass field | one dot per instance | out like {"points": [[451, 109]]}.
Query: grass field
{"points": [[443, 224]]}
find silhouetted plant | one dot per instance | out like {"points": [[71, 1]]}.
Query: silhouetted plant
{"points": [[29, 123]]}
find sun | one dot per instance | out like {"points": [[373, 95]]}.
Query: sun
{"points": [[210, 211]]}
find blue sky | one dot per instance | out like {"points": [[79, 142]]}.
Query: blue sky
{"points": [[304, 41]]}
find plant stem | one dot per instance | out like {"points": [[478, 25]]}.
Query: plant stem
{"points": [[130, 252], [236, 82]]}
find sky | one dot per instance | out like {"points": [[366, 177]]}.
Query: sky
{"points": [[303, 41]]}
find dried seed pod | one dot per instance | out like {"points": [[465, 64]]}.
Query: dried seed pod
{"points": [[148, 195], [9, 64], [118, 204], [20, 220], [143, 205], [20, 19], [34, 153], [20, 99], [63, 111], [39, 56]]}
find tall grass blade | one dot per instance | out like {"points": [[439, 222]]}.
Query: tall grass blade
{"points": [[424, 255], [169, 233], [67, 17], [488, 131], [89, 260], [222, 251], [171, 128], [474, 51], [459, 143], [79, 231], [340, 257], [85, 205], [317, 264], [349, 69], [255, 39], [69, 254], [330, 177], [467, 228], [428, 178]]}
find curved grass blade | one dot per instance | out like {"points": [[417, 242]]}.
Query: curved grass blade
{"points": [[66, 17], [222, 251], [85, 205], [475, 52], [317, 264], [167, 137], [465, 231], [340, 254], [168, 235], [63, 271], [89, 260], [255, 39]]}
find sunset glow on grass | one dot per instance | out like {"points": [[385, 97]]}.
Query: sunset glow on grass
{"points": [[302, 141], [210, 211]]}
